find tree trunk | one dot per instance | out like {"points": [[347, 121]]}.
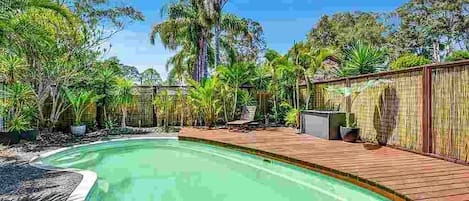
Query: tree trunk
{"points": [[297, 89], [217, 43], [436, 51], [235, 101], [124, 116], [308, 95]]}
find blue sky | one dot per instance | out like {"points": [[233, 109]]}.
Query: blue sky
{"points": [[284, 22]]}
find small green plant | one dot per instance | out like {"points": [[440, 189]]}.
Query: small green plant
{"points": [[80, 101], [246, 99], [458, 55], [291, 119], [17, 106], [409, 60], [18, 124]]}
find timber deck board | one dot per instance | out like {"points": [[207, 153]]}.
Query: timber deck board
{"points": [[415, 176]]}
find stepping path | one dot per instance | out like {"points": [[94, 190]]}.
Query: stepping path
{"points": [[397, 174]]}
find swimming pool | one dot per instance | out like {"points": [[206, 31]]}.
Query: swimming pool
{"points": [[174, 170]]}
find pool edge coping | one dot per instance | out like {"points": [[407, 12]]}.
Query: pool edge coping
{"points": [[89, 178], [343, 176]]}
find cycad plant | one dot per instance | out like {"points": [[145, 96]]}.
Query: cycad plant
{"points": [[205, 96], [80, 101], [362, 58], [124, 97]]}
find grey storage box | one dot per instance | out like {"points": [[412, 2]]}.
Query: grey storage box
{"points": [[322, 124]]}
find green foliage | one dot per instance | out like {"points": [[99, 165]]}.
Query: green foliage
{"points": [[80, 101], [12, 68], [458, 55], [163, 102], [344, 28], [17, 106], [246, 99], [205, 97], [291, 119], [150, 77], [409, 60], [18, 123], [362, 58]]}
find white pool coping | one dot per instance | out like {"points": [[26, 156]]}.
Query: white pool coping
{"points": [[89, 177]]}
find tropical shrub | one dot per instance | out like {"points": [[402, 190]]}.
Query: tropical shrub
{"points": [[17, 106], [362, 58], [80, 101], [409, 60], [204, 95], [163, 102], [246, 99], [458, 55], [291, 119], [124, 97]]}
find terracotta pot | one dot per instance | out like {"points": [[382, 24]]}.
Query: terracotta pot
{"points": [[349, 134]]}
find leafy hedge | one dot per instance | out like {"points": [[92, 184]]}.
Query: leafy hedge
{"points": [[409, 60]]}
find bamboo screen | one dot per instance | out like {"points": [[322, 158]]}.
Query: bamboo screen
{"points": [[391, 113], [327, 100], [450, 112], [141, 111]]}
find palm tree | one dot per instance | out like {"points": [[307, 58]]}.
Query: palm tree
{"points": [[104, 83], [235, 76], [272, 58], [124, 97], [150, 77], [362, 58], [309, 60], [12, 8], [186, 26], [205, 96], [163, 102]]}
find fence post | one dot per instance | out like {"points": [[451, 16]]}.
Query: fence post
{"points": [[155, 118], [348, 99], [427, 109]]}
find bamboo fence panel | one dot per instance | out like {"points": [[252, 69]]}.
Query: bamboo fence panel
{"points": [[390, 113], [450, 113], [140, 114], [327, 100]]}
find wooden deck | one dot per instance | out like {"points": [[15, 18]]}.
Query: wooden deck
{"points": [[394, 173]]}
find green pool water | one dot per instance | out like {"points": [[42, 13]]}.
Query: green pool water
{"points": [[172, 170]]}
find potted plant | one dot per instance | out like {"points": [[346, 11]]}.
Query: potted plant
{"points": [[17, 108], [350, 132], [80, 100]]}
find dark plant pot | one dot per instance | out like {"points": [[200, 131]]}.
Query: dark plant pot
{"points": [[78, 130], [349, 134], [29, 135], [8, 138]]}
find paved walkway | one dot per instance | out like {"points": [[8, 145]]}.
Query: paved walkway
{"points": [[413, 176]]}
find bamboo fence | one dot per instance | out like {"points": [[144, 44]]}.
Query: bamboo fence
{"points": [[423, 109]]}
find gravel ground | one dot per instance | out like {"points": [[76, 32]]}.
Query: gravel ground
{"points": [[20, 181]]}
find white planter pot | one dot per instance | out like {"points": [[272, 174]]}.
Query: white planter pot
{"points": [[78, 130]]}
